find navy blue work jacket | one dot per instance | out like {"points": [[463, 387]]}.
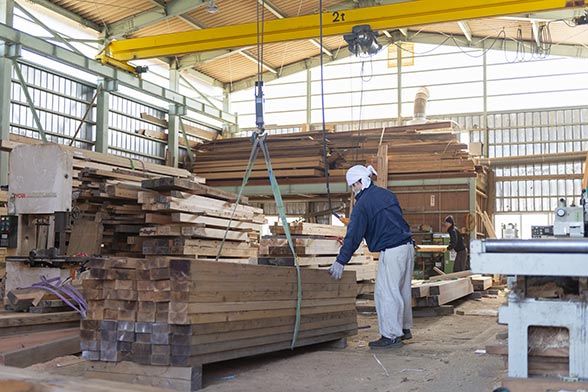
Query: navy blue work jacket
{"points": [[377, 217]]}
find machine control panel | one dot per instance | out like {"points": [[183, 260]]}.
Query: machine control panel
{"points": [[8, 231]]}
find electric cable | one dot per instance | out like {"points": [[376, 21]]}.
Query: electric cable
{"points": [[323, 121]]}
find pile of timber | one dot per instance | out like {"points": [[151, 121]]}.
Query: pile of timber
{"points": [[185, 218], [193, 133], [442, 289], [28, 338], [316, 246], [295, 158], [110, 214], [184, 312], [413, 151], [548, 354]]}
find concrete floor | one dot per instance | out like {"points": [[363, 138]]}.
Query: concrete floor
{"points": [[441, 357]]}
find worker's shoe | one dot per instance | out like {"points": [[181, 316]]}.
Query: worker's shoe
{"points": [[385, 342], [406, 334]]}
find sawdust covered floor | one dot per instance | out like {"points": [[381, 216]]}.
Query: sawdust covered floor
{"points": [[440, 357]]}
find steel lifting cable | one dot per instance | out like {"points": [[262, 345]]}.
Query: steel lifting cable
{"points": [[259, 142]]}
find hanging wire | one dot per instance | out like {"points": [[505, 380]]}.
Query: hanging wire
{"points": [[323, 121]]}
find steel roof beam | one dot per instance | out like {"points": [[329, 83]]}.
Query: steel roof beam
{"points": [[65, 56], [465, 29], [147, 18], [68, 14]]}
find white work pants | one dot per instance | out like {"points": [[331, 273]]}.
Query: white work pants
{"points": [[393, 292]]}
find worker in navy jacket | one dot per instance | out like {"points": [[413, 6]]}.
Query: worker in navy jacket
{"points": [[378, 218]]}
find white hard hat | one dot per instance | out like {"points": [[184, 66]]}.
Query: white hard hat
{"points": [[356, 173]]}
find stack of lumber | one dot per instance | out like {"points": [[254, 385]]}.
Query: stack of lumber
{"points": [[440, 290], [27, 338], [105, 193], [182, 312], [192, 131], [22, 323], [109, 211], [296, 157], [548, 352], [316, 246], [414, 151], [31, 348], [185, 218]]}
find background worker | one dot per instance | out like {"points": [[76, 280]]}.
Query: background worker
{"points": [[456, 244], [377, 217]]}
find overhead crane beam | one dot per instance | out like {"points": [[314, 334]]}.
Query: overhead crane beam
{"points": [[392, 16]]}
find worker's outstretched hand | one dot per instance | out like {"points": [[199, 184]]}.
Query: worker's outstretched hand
{"points": [[336, 270]]}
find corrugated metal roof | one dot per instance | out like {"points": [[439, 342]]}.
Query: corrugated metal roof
{"points": [[104, 11]]}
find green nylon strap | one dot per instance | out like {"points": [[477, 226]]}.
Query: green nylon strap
{"points": [[282, 213], [259, 143]]}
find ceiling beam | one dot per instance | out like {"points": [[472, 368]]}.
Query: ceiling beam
{"points": [[68, 14], [465, 29], [536, 34], [286, 70], [254, 59], [193, 60], [151, 16], [398, 15]]}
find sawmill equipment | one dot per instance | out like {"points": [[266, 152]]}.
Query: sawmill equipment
{"points": [[524, 259], [40, 208]]}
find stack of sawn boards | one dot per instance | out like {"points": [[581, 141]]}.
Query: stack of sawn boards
{"points": [[442, 289], [165, 216], [316, 246], [414, 151], [182, 312], [188, 219]]}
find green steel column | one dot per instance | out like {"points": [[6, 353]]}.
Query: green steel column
{"points": [[105, 87], [173, 120], [484, 124], [399, 81], [6, 17], [309, 99]]}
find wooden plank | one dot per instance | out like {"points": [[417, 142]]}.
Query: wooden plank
{"points": [[305, 228], [179, 217], [431, 248], [266, 348], [8, 320], [85, 237], [502, 349], [481, 283], [168, 183], [168, 377], [23, 351], [33, 380], [382, 166]]}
